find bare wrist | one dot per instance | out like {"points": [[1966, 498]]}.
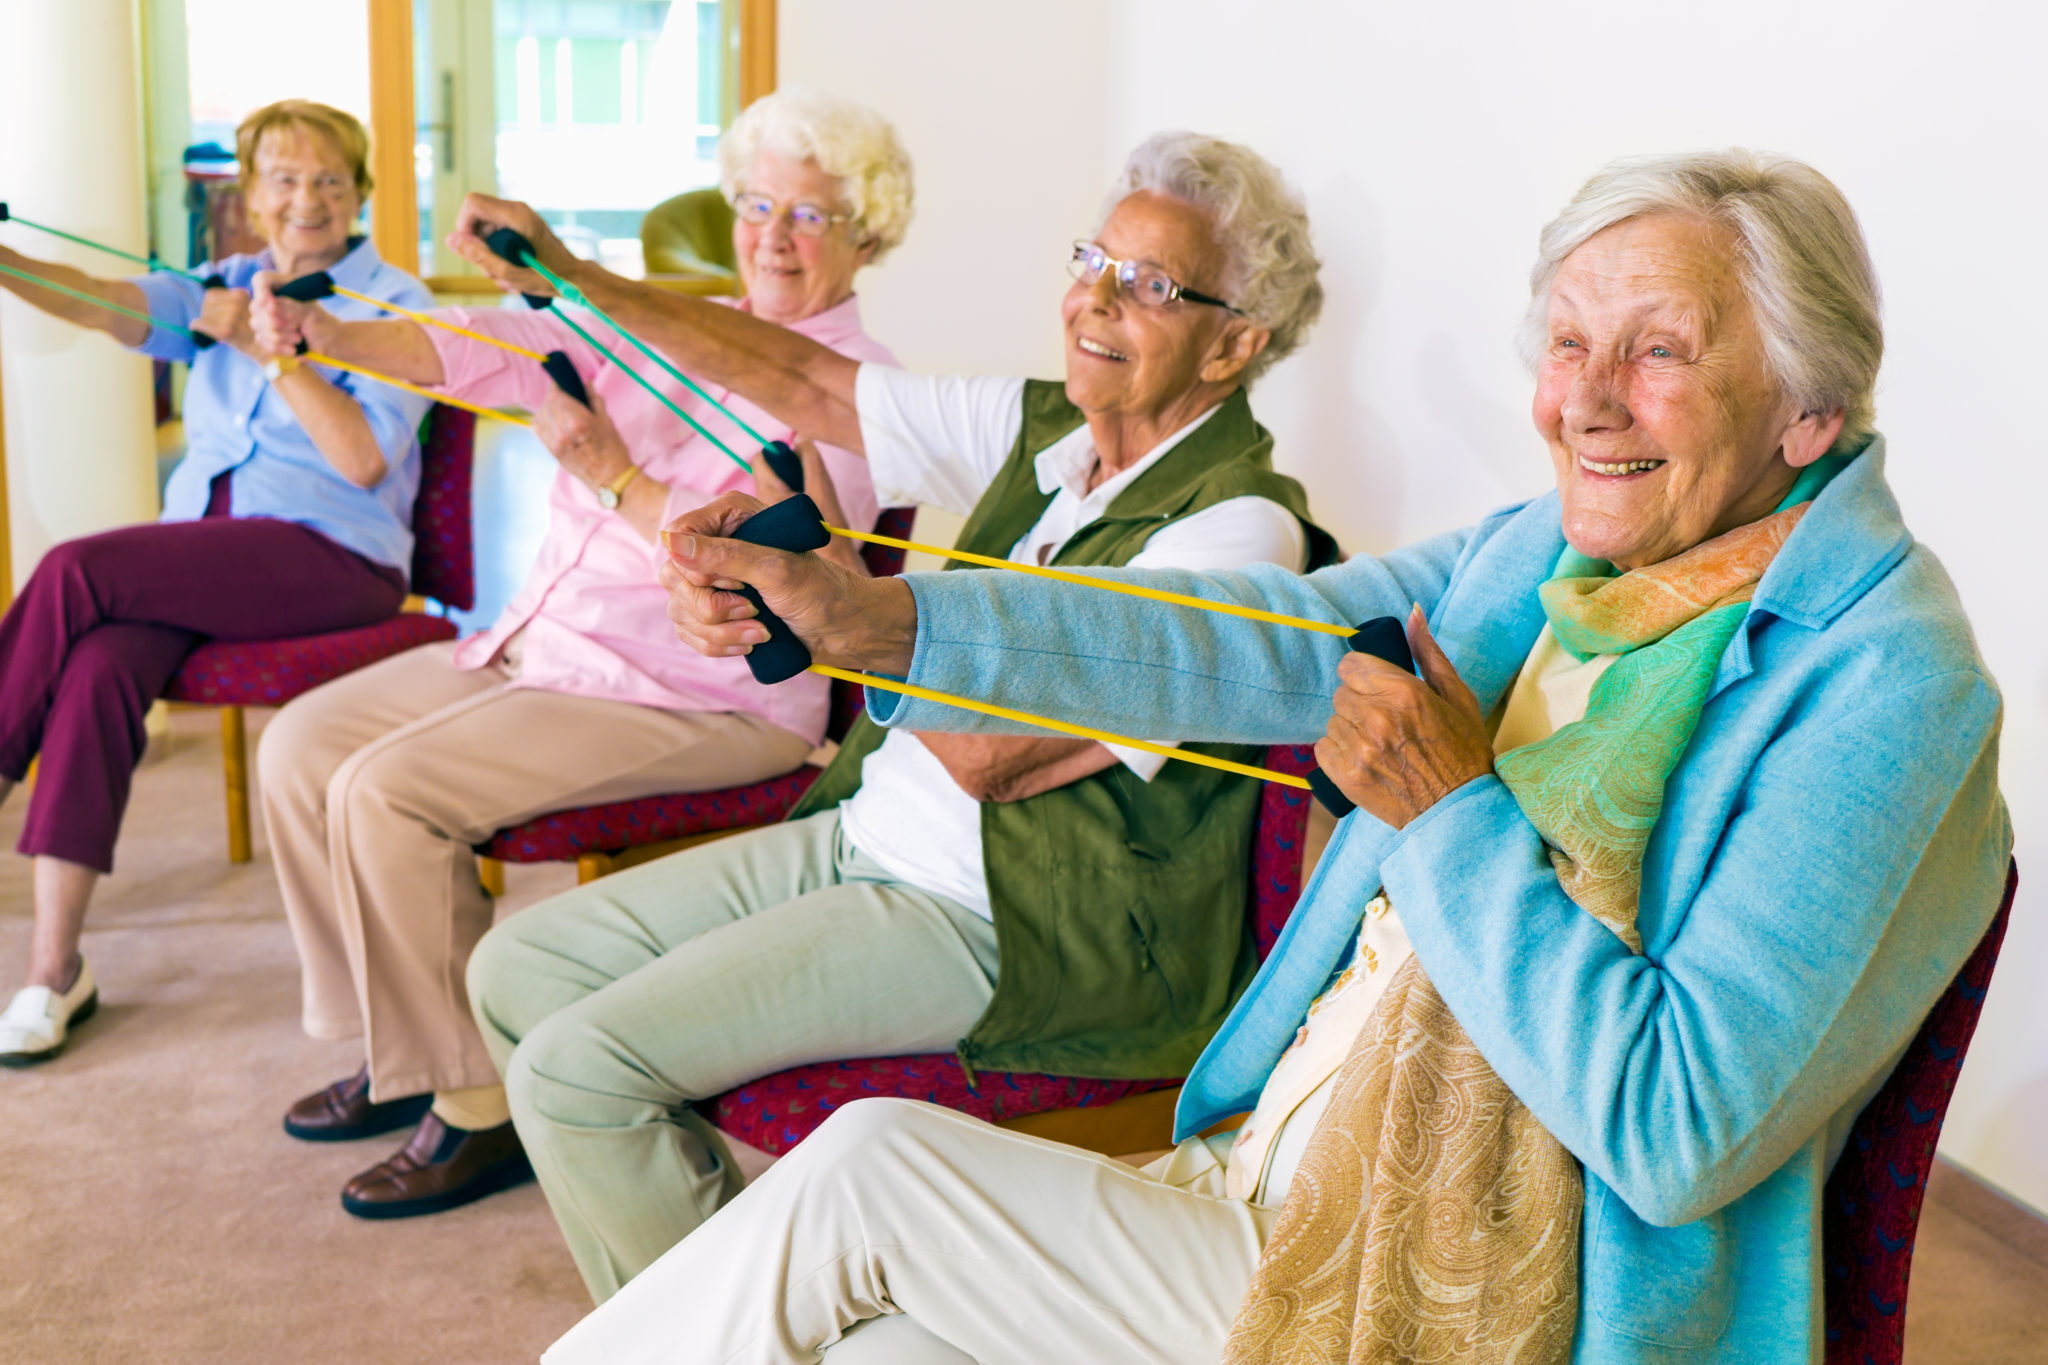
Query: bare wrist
{"points": [[887, 636]]}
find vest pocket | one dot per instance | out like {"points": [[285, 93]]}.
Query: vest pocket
{"points": [[1664, 1286]]}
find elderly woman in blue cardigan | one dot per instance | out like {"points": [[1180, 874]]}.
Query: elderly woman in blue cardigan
{"points": [[1689, 819]]}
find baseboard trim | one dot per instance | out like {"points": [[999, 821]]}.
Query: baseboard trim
{"points": [[1989, 1208]]}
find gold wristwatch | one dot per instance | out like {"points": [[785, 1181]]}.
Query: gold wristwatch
{"points": [[609, 495]]}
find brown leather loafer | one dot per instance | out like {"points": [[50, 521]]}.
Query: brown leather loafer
{"points": [[441, 1168], [343, 1112]]}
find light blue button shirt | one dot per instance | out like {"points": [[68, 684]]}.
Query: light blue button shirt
{"points": [[235, 421], [1832, 848]]}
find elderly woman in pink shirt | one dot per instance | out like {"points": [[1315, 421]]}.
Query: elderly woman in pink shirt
{"points": [[376, 786]]}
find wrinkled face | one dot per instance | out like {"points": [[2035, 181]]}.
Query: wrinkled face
{"points": [[1125, 358], [789, 277], [1665, 425], [303, 197]]}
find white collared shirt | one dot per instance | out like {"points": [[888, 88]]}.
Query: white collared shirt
{"points": [[940, 441]]}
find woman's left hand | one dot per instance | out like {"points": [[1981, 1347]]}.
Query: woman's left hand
{"points": [[1398, 744], [224, 316], [583, 440]]}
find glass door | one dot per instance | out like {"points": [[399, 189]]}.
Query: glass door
{"points": [[593, 111]]}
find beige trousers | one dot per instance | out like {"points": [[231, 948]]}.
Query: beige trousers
{"points": [[994, 1248], [375, 789]]}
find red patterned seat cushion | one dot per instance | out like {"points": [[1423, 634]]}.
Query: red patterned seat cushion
{"points": [[1872, 1206], [443, 552], [272, 672], [779, 1111], [569, 834]]}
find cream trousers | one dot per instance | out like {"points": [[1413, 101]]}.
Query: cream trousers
{"points": [[991, 1248], [375, 788]]}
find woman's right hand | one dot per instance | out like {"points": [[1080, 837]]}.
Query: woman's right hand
{"points": [[281, 324], [844, 618]]}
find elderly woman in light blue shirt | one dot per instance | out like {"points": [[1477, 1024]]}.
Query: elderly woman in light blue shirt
{"points": [[291, 514], [1826, 845]]}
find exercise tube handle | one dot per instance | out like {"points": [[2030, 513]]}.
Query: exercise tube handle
{"points": [[564, 374], [787, 464], [3, 211], [214, 281], [795, 525], [510, 244], [307, 288], [1383, 638]]}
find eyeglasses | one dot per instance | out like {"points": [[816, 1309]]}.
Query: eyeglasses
{"points": [[805, 220], [327, 184], [1148, 285]]}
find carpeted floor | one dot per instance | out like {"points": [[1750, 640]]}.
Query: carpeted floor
{"points": [[152, 1210]]}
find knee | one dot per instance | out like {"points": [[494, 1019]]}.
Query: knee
{"points": [[867, 1130], [288, 755], [560, 1062], [496, 977]]}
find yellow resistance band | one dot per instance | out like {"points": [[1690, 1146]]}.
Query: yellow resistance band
{"points": [[431, 321], [1047, 723], [315, 358], [1107, 585]]}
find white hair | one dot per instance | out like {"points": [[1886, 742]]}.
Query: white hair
{"points": [[845, 138], [1260, 222], [1799, 254]]}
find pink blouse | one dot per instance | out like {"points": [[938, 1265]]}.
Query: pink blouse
{"points": [[595, 620]]}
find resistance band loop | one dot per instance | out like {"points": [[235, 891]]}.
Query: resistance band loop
{"points": [[1108, 585], [641, 380], [315, 358], [153, 262], [431, 321], [576, 296], [96, 301], [1063, 727]]}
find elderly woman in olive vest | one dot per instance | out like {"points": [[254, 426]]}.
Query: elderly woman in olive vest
{"points": [[910, 903]]}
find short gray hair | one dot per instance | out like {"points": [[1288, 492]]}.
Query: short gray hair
{"points": [[1272, 272], [845, 138], [1799, 252]]}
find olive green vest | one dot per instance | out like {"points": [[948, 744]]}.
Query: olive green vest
{"points": [[1119, 904]]}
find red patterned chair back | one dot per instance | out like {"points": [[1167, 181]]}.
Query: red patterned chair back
{"points": [[443, 550], [1872, 1206], [883, 561]]}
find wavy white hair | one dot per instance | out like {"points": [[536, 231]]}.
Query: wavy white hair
{"points": [[1799, 252], [1260, 221], [845, 138]]}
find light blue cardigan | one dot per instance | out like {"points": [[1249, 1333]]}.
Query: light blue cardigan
{"points": [[1833, 846]]}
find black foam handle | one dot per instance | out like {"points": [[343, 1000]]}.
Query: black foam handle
{"points": [[510, 244], [564, 374], [787, 464], [795, 525], [201, 341], [307, 288], [3, 210], [214, 281], [1383, 638]]}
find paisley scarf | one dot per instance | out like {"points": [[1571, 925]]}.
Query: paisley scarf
{"points": [[1432, 1217]]}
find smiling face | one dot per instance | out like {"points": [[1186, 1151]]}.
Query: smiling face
{"points": [[1130, 361], [1665, 425], [303, 198], [789, 277]]}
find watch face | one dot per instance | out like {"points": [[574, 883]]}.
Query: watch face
{"points": [[607, 498]]}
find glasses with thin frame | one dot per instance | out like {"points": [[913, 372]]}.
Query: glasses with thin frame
{"points": [[1147, 284], [805, 220], [326, 184]]}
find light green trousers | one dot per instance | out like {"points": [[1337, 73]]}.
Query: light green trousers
{"points": [[611, 1009]]}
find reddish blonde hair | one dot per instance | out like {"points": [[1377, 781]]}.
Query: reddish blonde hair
{"points": [[339, 126]]}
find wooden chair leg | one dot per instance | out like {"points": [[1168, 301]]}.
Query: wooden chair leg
{"points": [[491, 873], [234, 744], [591, 866]]}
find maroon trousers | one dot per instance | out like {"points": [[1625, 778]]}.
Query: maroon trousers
{"points": [[105, 621]]}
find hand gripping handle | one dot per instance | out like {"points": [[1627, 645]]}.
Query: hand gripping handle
{"points": [[1383, 638], [788, 466], [564, 374], [795, 525], [510, 244], [307, 288]]}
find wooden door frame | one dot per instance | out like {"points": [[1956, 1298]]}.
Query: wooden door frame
{"points": [[394, 206]]}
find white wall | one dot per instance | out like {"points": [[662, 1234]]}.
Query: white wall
{"points": [[1432, 143]]}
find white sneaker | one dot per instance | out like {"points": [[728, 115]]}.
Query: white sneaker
{"points": [[38, 1019]]}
